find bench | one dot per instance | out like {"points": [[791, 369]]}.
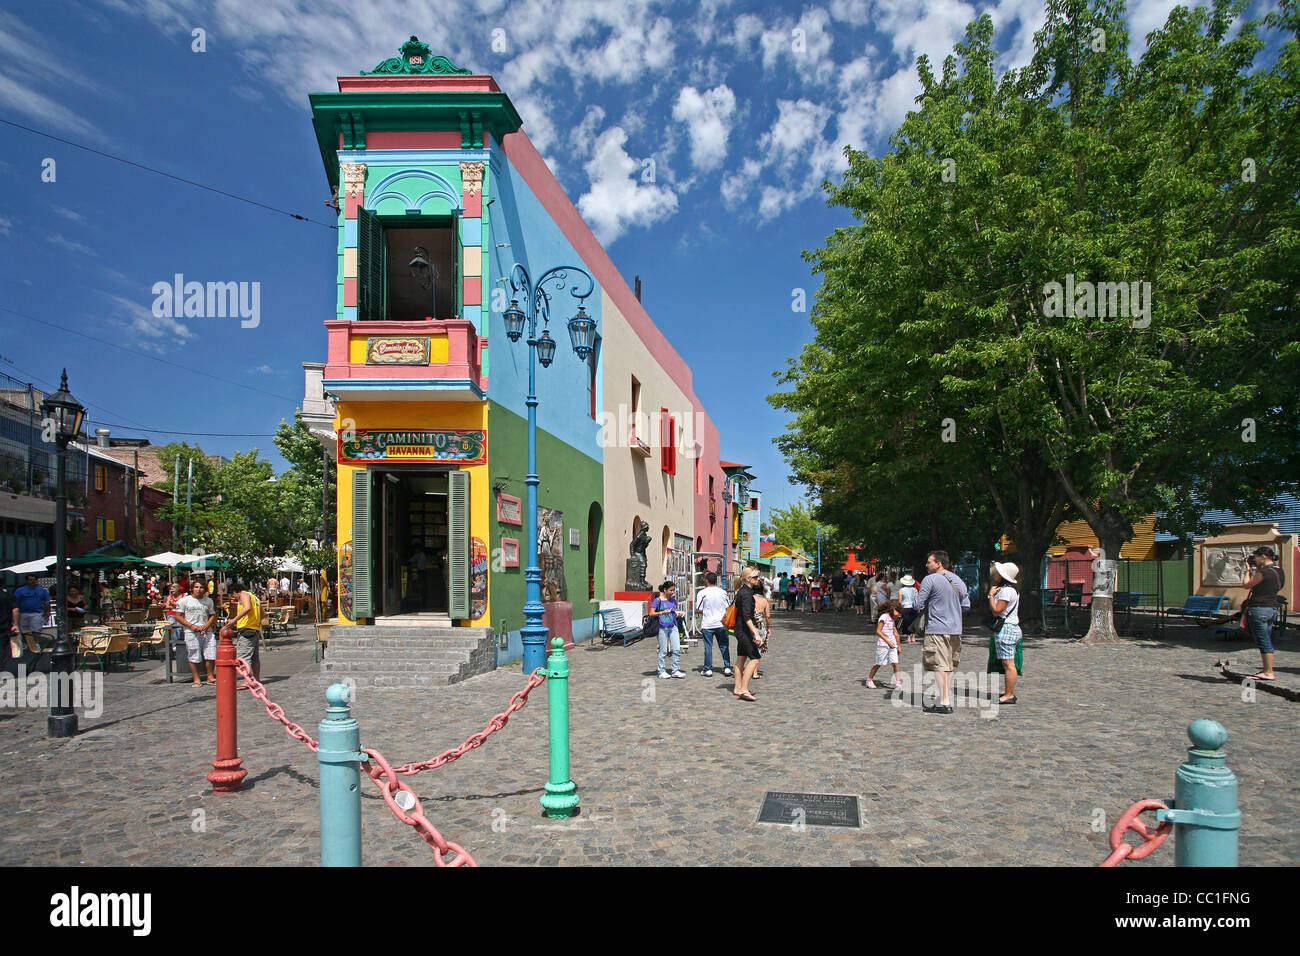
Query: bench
{"points": [[614, 626], [1202, 607]]}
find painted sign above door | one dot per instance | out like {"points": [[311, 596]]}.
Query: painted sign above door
{"points": [[397, 350], [464, 446]]}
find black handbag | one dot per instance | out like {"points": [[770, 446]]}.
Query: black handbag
{"points": [[650, 625]]}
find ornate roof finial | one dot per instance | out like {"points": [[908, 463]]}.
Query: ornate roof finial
{"points": [[415, 58]]}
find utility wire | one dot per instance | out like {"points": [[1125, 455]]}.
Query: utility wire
{"points": [[159, 172], [143, 354], [165, 431], [136, 426]]}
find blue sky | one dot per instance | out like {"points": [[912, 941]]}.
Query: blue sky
{"points": [[742, 108]]}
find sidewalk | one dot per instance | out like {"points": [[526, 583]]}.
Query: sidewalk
{"points": [[672, 771]]}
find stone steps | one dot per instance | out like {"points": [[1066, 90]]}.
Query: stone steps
{"points": [[415, 656]]}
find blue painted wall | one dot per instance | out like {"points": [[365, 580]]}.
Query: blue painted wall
{"points": [[517, 217]]}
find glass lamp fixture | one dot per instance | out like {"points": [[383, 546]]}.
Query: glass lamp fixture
{"points": [[582, 331], [66, 411], [514, 317], [546, 349]]}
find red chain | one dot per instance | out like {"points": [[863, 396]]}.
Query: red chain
{"points": [[1129, 821], [387, 778], [477, 740], [275, 710], [391, 783]]}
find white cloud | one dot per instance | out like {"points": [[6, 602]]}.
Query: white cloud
{"points": [[63, 242], [617, 200], [67, 213], [708, 121], [264, 369], [583, 136], [37, 106], [6, 225], [152, 333]]}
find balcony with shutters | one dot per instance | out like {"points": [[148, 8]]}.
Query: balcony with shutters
{"points": [[431, 361]]}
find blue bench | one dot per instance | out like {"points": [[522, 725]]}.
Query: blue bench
{"points": [[614, 627], [1203, 606]]}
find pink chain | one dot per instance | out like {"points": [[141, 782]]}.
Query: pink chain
{"points": [[275, 710], [388, 779], [415, 818], [477, 740], [1151, 839]]}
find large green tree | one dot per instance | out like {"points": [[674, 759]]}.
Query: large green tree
{"points": [[999, 199]]}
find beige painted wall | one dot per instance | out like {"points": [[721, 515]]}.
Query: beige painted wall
{"points": [[634, 485], [1250, 535]]}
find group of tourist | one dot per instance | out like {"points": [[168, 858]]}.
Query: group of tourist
{"points": [[752, 626], [895, 603], [863, 593]]}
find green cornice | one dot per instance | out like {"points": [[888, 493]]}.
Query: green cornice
{"points": [[415, 59], [472, 113]]}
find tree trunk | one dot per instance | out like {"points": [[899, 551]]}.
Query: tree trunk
{"points": [[1029, 584], [1101, 627], [986, 554]]}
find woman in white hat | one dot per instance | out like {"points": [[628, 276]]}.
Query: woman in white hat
{"points": [[1004, 601], [907, 598]]}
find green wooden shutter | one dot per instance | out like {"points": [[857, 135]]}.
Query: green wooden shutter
{"points": [[372, 285], [457, 282], [361, 545], [458, 545]]}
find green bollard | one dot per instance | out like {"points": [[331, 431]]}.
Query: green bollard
{"points": [[340, 781], [561, 797], [1205, 815]]}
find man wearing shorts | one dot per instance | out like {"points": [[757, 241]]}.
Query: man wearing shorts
{"points": [[196, 614], [248, 630], [943, 596], [34, 605]]}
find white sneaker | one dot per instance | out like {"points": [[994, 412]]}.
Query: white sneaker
{"points": [[871, 683], [664, 675], [706, 673], [678, 674], [726, 672]]}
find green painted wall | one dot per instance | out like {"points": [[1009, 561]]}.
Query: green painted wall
{"points": [[571, 482]]}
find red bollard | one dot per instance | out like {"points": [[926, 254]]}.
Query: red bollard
{"points": [[228, 773]]}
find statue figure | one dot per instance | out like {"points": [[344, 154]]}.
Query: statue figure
{"points": [[636, 563]]}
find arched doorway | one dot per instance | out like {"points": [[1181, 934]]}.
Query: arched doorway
{"points": [[594, 518]]}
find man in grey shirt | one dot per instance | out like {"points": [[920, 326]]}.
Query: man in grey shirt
{"points": [[943, 595]]}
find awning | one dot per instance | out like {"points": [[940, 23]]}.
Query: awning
{"points": [[33, 567]]}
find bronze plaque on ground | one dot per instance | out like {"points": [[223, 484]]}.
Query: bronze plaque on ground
{"points": [[810, 809]]}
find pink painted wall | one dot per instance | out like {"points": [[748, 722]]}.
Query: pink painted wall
{"points": [[525, 158], [401, 139], [419, 84]]}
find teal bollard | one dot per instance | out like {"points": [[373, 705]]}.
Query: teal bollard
{"points": [[340, 781], [1205, 814], [561, 797]]}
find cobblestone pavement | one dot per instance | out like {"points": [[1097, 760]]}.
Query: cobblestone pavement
{"points": [[673, 771]]}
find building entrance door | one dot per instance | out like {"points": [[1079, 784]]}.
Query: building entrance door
{"points": [[410, 541]]}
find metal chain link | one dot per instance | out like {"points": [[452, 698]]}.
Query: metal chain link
{"points": [[1152, 838], [477, 740], [275, 710], [389, 783], [388, 779]]}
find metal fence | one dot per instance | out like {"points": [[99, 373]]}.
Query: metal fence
{"points": [[1139, 596]]}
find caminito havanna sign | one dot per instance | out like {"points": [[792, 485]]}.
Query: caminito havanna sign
{"points": [[466, 446], [392, 350]]}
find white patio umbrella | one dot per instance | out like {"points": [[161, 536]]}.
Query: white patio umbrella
{"points": [[33, 567], [170, 558]]}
